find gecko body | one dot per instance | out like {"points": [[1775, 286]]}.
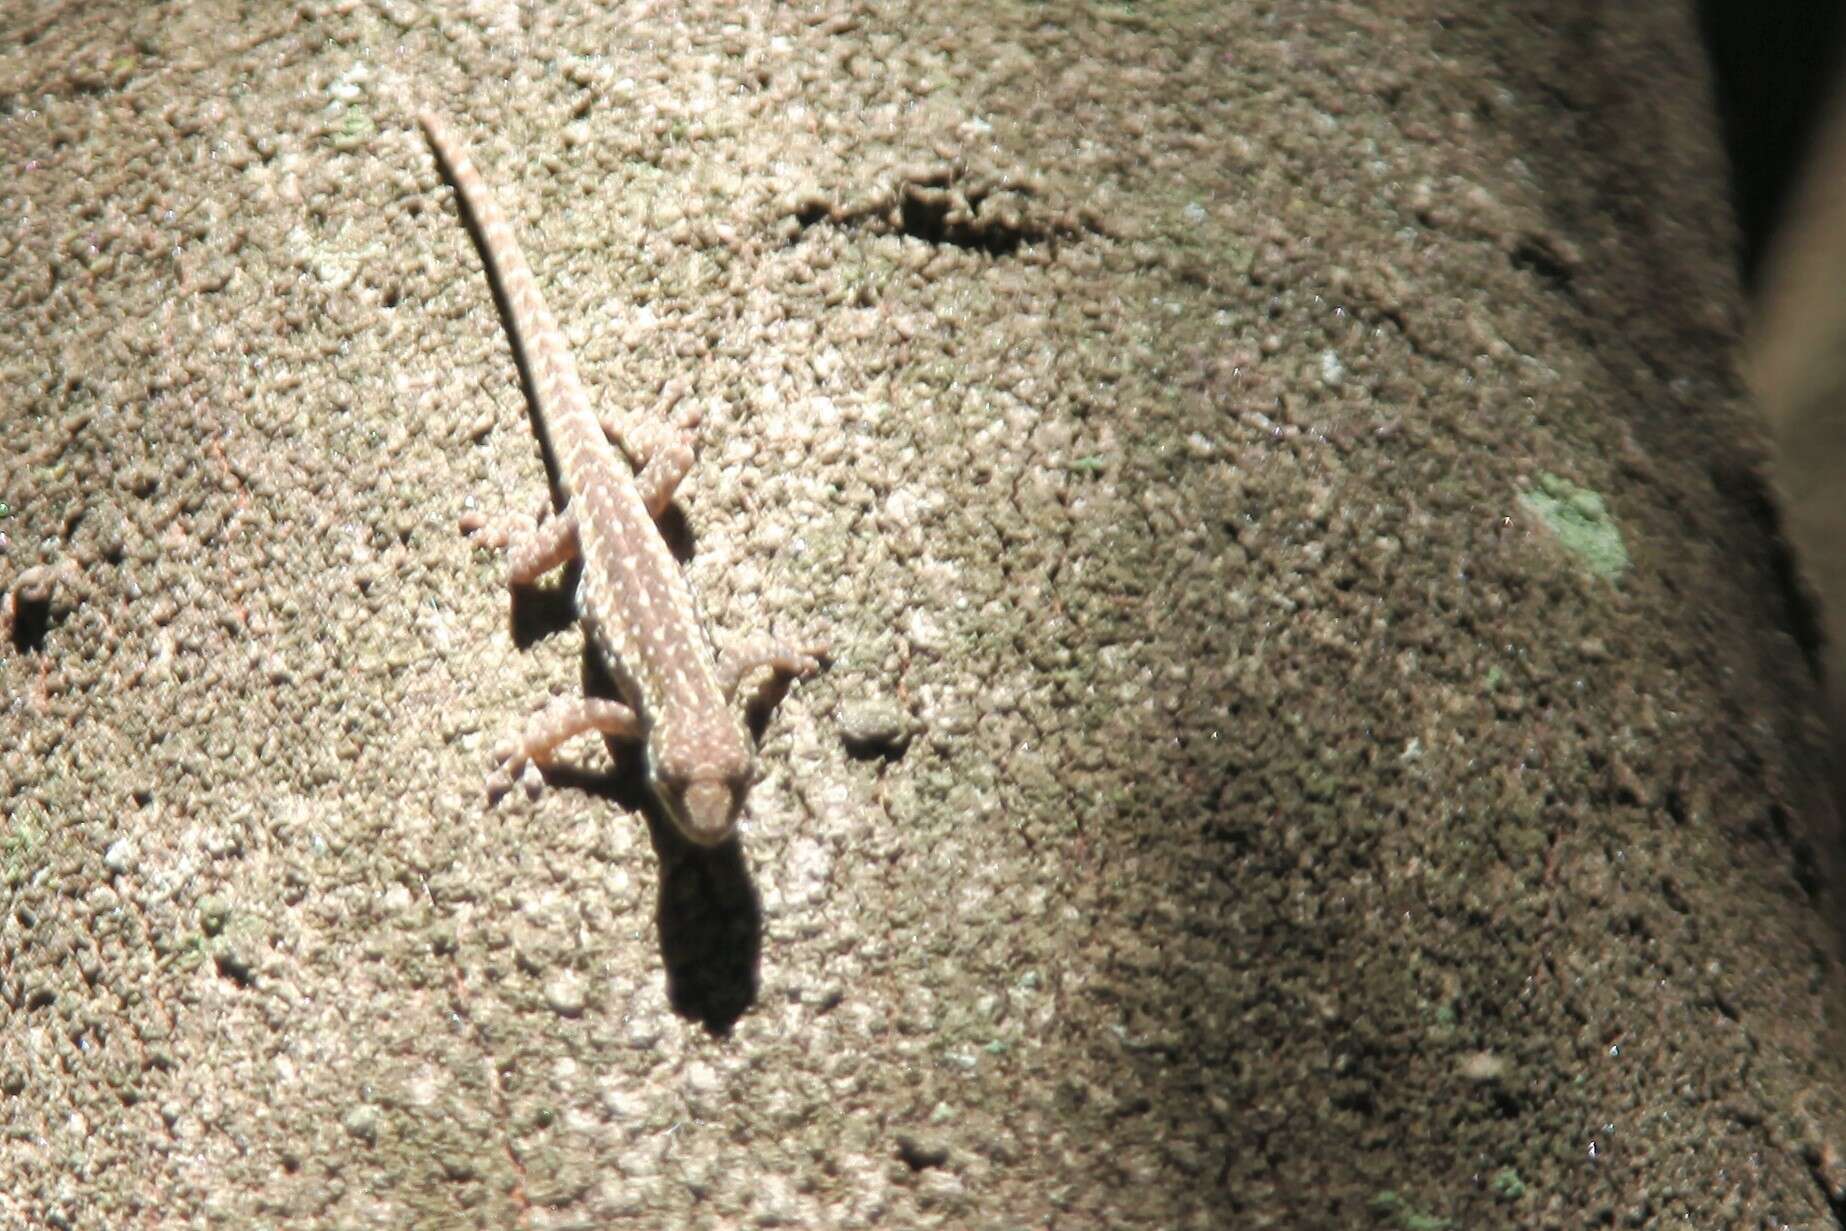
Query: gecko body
{"points": [[678, 699]]}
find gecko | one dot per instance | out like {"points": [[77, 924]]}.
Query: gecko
{"points": [[678, 699]]}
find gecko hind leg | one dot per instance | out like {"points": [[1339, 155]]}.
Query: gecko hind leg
{"points": [[660, 478], [534, 545], [658, 444]]}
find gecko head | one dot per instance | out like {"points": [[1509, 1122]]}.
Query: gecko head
{"points": [[703, 803], [700, 765]]}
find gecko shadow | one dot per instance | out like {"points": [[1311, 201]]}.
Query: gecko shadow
{"points": [[710, 923], [708, 915]]}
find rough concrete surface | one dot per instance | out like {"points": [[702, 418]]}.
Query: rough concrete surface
{"points": [[1232, 801]]}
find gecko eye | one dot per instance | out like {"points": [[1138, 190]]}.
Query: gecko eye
{"points": [[704, 809]]}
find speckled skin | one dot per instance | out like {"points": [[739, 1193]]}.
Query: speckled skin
{"points": [[632, 598]]}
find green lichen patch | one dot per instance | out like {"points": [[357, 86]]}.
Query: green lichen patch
{"points": [[1581, 522], [1396, 1211]]}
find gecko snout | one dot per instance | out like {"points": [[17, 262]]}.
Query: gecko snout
{"points": [[705, 809]]}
